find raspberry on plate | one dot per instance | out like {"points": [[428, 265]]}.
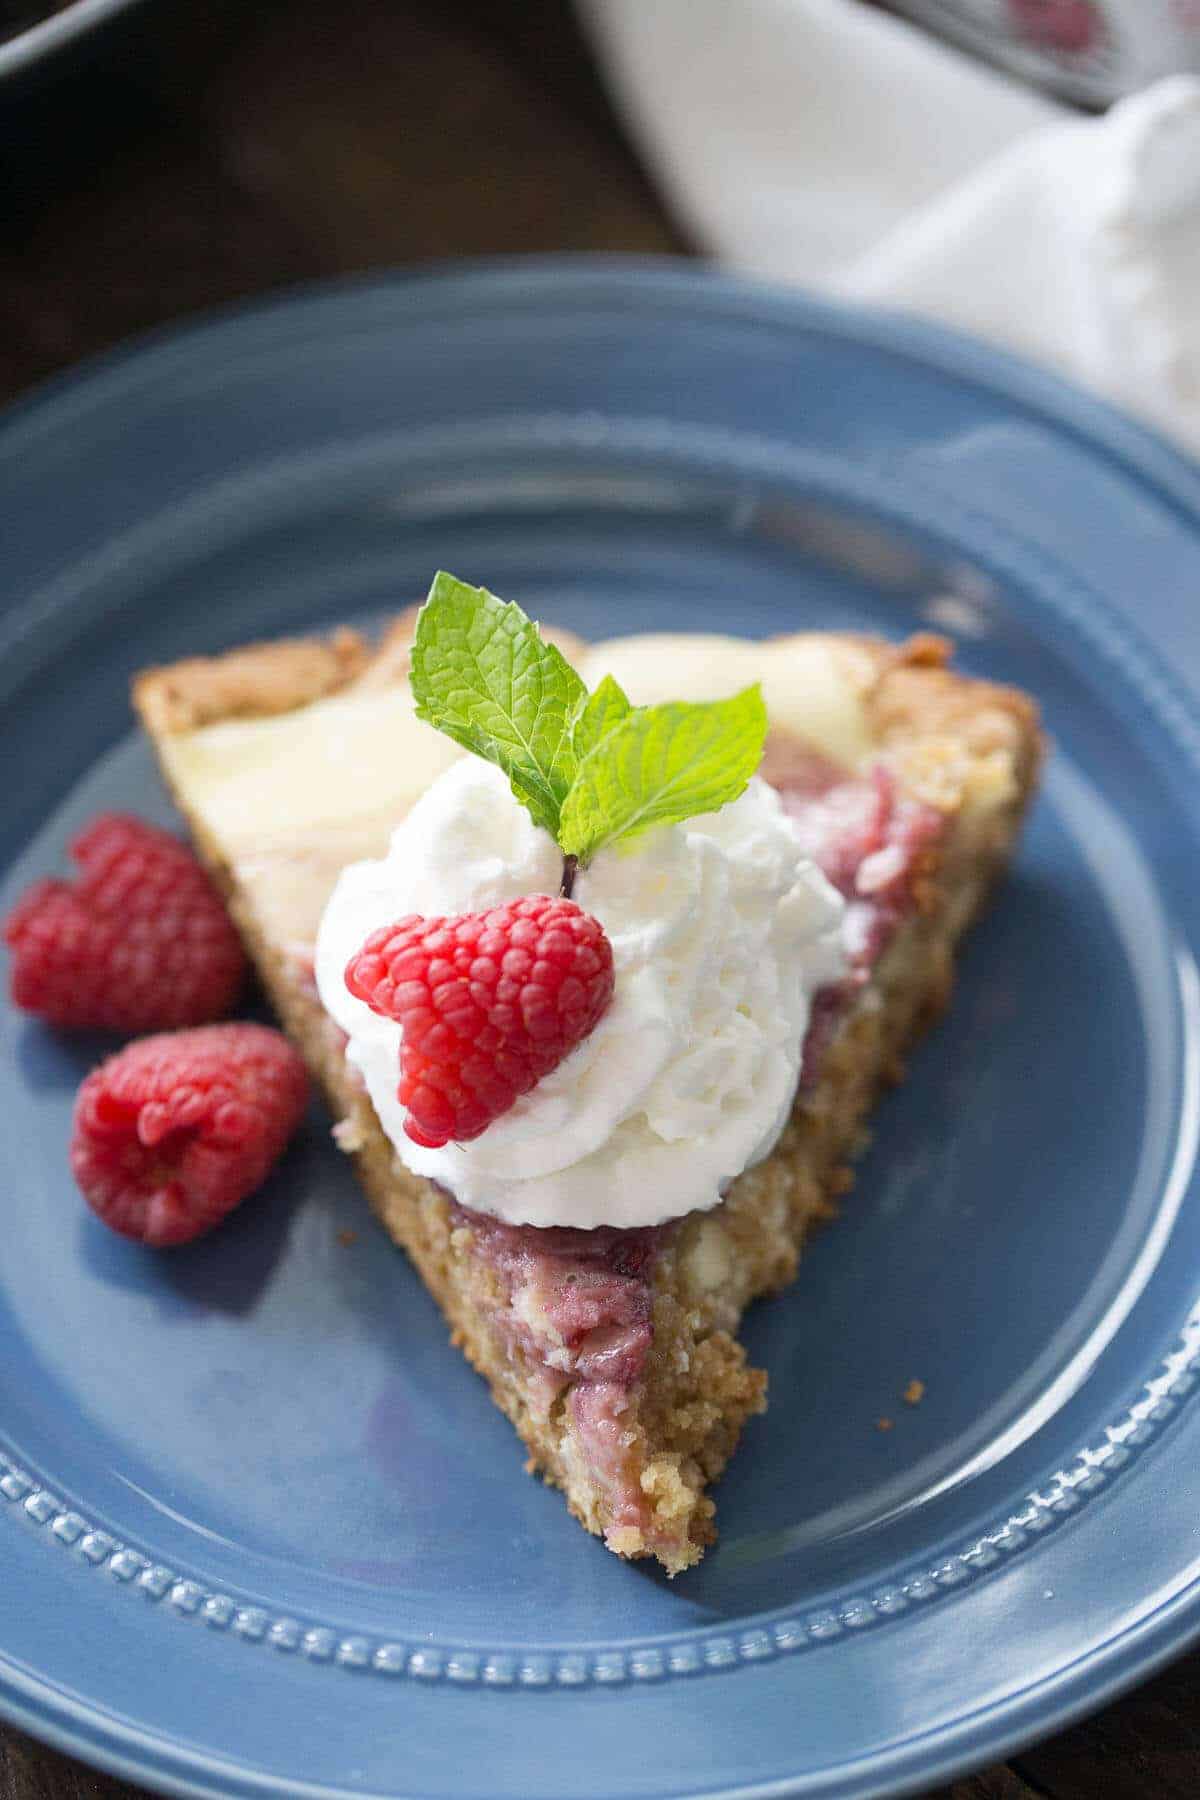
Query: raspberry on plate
{"points": [[175, 1130], [488, 1003], [141, 941]]}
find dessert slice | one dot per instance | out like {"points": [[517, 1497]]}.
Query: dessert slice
{"points": [[612, 1346]]}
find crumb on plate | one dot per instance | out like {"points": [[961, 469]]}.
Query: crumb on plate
{"points": [[347, 1135]]}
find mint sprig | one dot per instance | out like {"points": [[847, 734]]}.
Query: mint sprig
{"points": [[482, 674], [596, 716], [661, 765], [591, 769]]}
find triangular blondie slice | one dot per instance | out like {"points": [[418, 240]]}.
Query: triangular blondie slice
{"points": [[614, 1351]]}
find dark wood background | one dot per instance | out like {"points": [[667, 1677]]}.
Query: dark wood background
{"points": [[205, 150]]}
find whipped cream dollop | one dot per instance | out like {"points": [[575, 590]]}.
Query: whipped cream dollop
{"points": [[722, 930]]}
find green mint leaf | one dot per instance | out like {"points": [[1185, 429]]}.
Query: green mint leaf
{"points": [[596, 716], [481, 673], [660, 765]]}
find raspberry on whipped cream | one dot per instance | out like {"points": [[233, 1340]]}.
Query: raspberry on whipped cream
{"points": [[488, 1003], [722, 930]]}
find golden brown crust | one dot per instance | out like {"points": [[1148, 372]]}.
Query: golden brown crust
{"points": [[958, 743], [697, 1390], [393, 654], [252, 682], [259, 680], [918, 696]]}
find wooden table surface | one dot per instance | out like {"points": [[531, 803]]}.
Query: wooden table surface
{"points": [[210, 149]]}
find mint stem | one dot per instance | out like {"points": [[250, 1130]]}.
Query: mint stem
{"points": [[569, 872]]}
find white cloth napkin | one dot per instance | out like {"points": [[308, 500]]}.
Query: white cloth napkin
{"points": [[827, 143]]}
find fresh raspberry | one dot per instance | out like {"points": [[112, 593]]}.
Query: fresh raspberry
{"points": [[140, 942], [488, 1002], [172, 1132]]}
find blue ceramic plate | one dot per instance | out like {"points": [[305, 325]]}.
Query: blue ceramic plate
{"points": [[261, 1529]]}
